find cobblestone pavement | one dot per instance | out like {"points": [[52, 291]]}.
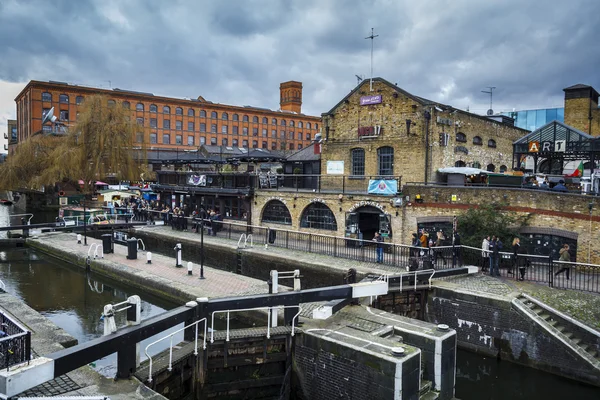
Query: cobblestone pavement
{"points": [[61, 385], [478, 283]]}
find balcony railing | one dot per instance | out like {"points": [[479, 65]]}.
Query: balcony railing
{"points": [[282, 182]]}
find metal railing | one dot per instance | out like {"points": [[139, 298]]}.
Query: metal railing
{"points": [[245, 237], [267, 309], [170, 366], [15, 342], [351, 184]]}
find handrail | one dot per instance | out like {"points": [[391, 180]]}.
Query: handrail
{"points": [[96, 247], [2, 286], [576, 263], [170, 367], [268, 309], [143, 245], [23, 215]]}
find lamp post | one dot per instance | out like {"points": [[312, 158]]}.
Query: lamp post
{"points": [[84, 224], [202, 248]]}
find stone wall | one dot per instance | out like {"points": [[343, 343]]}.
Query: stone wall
{"points": [[343, 122], [577, 115], [490, 326]]}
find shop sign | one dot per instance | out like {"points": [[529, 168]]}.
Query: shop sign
{"points": [[558, 146], [335, 167], [364, 204], [318, 200], [368, 100], [369, 131], [281, 199]]}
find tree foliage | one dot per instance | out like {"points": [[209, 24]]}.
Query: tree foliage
{"points": [[98, 146], [490, 220]]}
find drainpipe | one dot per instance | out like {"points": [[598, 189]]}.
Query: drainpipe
{"points": [[427, 116]]}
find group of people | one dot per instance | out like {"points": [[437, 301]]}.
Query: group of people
{"points": [[178, 217], [491, 248], [532, 183]]}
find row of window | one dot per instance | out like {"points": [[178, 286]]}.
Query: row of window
{"points": [[166, 139], [63, 98], [385, 161], [462, 138], [315, 215], [224, 129]]}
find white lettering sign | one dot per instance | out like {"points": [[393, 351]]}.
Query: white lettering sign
{"points": [[281, 199], [560, 145], [366, 204], [318, 200]]}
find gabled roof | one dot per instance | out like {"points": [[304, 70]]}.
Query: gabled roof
{"points": [[305, 154], [577, 86], [552, 131], [421, 100]]}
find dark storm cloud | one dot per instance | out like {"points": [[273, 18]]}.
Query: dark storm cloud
{"points": [[239, 51]]}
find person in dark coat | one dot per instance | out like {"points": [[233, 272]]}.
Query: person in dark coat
{"points": [[457, 255], [518, 263], [378, 239], [560, 187]]}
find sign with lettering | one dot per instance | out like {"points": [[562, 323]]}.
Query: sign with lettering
{"points": [[335, 167], [281, 199], [369, 131], [558, 146], [534, 147], [366, 204], [318, 200], [368, 100]]}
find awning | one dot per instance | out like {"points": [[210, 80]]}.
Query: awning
{"points": [[98, 183], [462, 170]]}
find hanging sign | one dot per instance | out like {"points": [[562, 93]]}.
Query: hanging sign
{"points": [[383, 186], [197, 180]]}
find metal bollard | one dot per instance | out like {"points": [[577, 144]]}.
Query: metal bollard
{"points": [[149, 257], [178, 255], [190, 266], [78, 239]]}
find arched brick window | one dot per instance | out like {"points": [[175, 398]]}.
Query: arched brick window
{"points": [[477, 141], [358, 162], [492, 143], [461, 137], [318, 216], [460, 163], [166, 110], [276, 212]]}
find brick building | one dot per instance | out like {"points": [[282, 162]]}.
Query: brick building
{"points": [[581, 109], [173, 123], [391, 132]]}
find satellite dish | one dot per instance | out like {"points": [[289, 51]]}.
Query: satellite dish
{"points": [[49, 117], [490, 112]]}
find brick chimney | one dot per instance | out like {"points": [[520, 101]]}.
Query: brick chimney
{"points": [[291, 96]]}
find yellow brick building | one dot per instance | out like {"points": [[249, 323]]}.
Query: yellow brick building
{"points": [[581, 109], [389, 131]]}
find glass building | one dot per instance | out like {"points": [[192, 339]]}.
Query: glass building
{"points": [[533, 119]]}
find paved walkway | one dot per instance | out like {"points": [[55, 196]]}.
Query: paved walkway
{"points": [[219, 283]]}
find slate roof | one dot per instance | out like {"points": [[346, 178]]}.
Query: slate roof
{"points": [[305, 154]]}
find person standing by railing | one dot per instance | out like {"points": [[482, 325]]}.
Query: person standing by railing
{"points": [[495, 247], [456, 256], [378, 239], [485, 254], [565, 256], [518, 264]]}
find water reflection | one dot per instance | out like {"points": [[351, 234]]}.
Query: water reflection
{"points": [[72, 300], [487, 378]]}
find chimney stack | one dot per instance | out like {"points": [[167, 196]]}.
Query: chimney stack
{"points": [[290, 96]]}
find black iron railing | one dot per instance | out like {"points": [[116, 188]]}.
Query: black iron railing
{"points": [[15, 342]]}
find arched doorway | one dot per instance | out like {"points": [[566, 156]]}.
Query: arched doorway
{"points": [[363, 222], [490, 168]]}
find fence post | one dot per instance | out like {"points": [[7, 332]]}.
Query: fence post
{"points": [[310, 242], [344, 184], [335, 246], [550, 272], [229, 230], [287, 238]]}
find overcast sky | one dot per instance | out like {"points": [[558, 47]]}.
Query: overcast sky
{"points": [[237, 52]]}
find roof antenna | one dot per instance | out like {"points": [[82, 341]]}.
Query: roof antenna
{"points": [[359, 79], [491, 93], [372, 37]]}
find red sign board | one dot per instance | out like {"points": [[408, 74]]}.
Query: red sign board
{"points": [[369, 131]]}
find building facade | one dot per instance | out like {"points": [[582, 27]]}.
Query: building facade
{"points": [[581, 109], [390, 132], [533, 119], [172, 123], [12, 135]]}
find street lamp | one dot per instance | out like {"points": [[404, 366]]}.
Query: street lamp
{"points": [[202, 248], [84, 224]]}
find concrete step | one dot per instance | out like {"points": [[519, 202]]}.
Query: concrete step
{"points": [[544, 316], [430, 396], [425, 387]]}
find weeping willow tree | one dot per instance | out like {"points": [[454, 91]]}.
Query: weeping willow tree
{"points": [[98, 146], [26, 168]]}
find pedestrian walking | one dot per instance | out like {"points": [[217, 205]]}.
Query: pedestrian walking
{"points": [[378, 239], [485, 253], [496, 254], [565, 256]]}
